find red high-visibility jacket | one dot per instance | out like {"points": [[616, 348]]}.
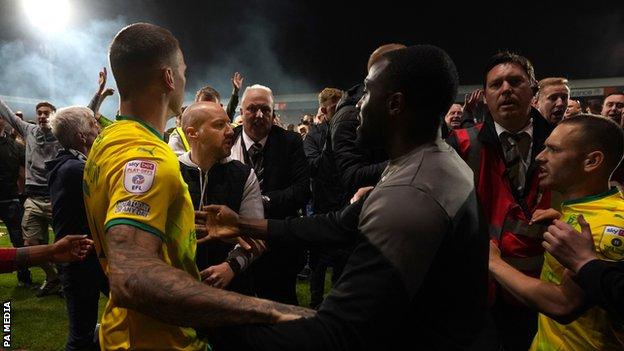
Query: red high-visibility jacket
{"points": [[506, 211]]}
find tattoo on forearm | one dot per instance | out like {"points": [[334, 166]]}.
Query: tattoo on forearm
{"points": [[142, 281]]}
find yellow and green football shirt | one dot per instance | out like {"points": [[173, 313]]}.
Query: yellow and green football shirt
{"points": [[594, 329], [132, 177]]}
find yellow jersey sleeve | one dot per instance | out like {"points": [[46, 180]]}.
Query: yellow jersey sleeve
{"points": [[142, 187]]}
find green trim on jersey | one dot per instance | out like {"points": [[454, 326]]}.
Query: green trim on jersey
{"points": [[137, 224], [143, 123], [590, 198]]}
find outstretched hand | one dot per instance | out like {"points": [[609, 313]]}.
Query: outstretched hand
{"points": [[71, 248], [571, 248], [237, 81], [218, 276], [360, 193], [217, 222], [102, 80], [107, 92], [546, 216], [473, 99]]}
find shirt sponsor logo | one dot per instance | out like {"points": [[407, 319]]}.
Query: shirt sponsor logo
{"points": [[614, 230], [138, 179], [133, 207], [139, 176], [611, 243]]}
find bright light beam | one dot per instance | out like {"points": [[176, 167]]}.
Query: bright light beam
{"points": [[48, 16]]}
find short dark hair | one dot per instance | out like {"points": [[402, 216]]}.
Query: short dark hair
{"points": [[136, 51], [600, 133], [428, 77], [510, 57], [616, 93], [45, 103], [207, 93]]}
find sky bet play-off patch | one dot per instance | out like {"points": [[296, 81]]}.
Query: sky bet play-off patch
{"points": [[139, 176], [612, 243]]}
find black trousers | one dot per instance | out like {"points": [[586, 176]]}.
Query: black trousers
{"points": [[82, 284], [320, 260], [11, 212]]}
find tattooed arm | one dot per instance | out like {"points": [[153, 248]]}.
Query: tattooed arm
{"points": [[141, 280]]}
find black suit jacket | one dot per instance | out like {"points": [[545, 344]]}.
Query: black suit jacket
{"points": [[286, 173]]}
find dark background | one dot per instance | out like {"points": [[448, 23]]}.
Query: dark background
{"points": [[303, 46]]}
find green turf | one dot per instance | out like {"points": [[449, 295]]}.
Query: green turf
{"points": [[41, 323]]}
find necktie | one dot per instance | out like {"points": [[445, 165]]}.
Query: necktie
{"points": [[516, 150], [255, 155]]}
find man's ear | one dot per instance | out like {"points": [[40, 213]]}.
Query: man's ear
{"points": [[396, 103], [190, 132], [167, 74], [593, 161], [534, 101], [82, 137]]}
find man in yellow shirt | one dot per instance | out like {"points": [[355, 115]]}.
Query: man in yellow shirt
{"points": [[580, 155], [141, 215]]}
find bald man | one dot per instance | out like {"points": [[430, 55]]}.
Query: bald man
{"points": [[214, 178]]}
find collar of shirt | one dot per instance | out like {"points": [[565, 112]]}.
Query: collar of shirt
{"points": [[78, 154], [249, 142], [528, 129], [186, 159], [397, 163]]}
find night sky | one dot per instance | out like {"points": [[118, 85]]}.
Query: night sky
{"points": [[303, 46]]}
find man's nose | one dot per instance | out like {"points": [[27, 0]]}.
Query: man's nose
{"points": [[506, 87]]}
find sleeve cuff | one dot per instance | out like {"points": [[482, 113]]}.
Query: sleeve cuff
{"points": [[589, 278], [137, 224]]}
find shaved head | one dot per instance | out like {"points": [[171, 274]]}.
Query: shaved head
{"points": [[378, 53], [197, 113]]}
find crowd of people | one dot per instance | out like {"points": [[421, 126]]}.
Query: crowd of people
{"points": [[496, 224]]}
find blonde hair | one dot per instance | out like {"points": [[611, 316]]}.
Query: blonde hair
{"points": [[329, 94]]}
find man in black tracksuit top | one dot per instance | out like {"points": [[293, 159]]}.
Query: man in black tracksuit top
{"points": [[418, 275]]}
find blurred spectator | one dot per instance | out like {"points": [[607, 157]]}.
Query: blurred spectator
{"points": [[291, 127], [327, 193], [307, 120], [453, 117], [574, 108], [551, 99], [357, 167], [278, 121], [76, 129], [11, 210], [613, 107], [302, 129], [177, 140], [474, 108], [209, 93], [41, 146], [594, 106]]}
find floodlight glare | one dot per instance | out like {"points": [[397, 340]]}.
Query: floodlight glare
{"points": [[49, 16]]}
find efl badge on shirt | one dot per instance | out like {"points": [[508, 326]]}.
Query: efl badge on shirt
{"points": [[612, 243], [139, 176]]}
